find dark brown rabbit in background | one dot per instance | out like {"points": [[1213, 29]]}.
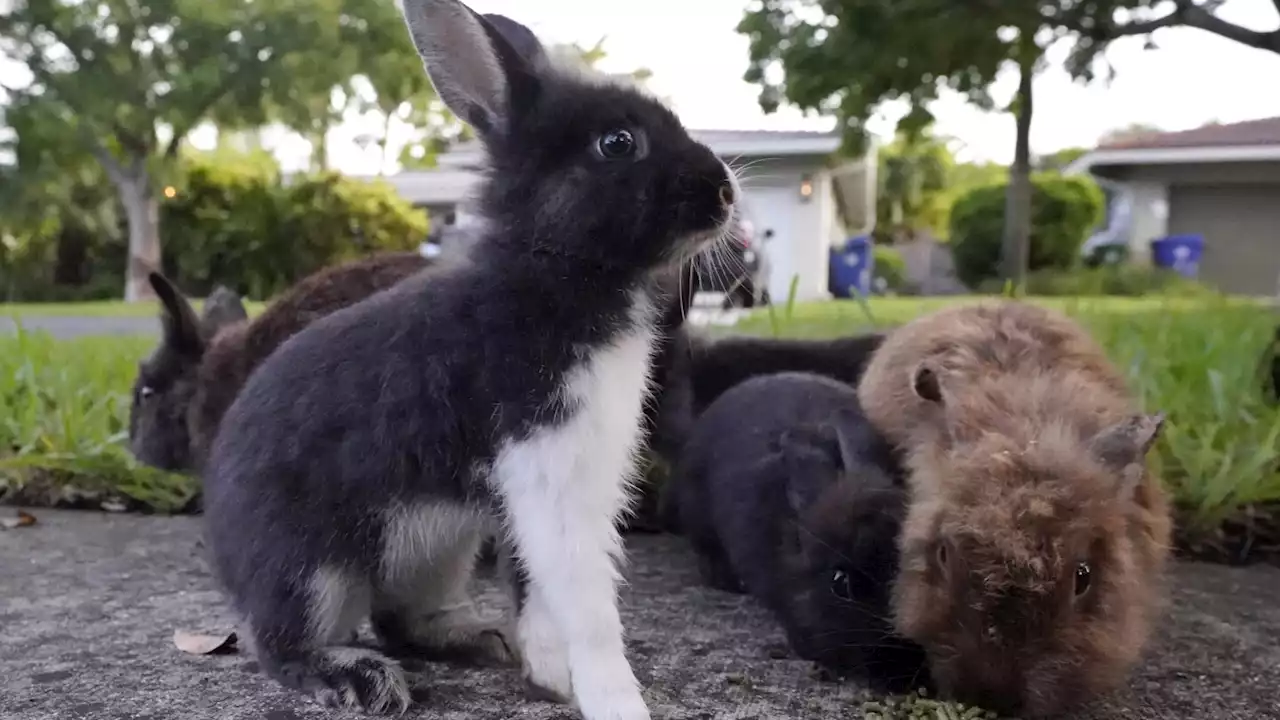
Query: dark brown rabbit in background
{"points": [[1035, 540], [185, 386], [786, 492]]}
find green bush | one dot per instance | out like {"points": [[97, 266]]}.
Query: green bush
{"points": [[239, 225], [222, 226], [1063, 211], [1129, 280], [328, 219], [890, 267]]}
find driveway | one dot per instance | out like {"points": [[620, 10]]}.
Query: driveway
{"points": [[705, 312], [89, 603], [63, 327]]}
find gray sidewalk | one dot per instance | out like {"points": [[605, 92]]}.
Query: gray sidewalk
{"points": [[89, 603], [69, 326]]}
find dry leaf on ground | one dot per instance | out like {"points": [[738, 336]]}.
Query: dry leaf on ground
{"points": [[202, 644], [22, 519]]}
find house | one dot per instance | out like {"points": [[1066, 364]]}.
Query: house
{"points": [[1219, 181], [792, 186]]}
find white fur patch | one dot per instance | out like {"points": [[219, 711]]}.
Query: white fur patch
{"points": [[339, 602], [419, 536], [563, 488]]}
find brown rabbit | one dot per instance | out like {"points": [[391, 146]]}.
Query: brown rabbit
{"points": [[1035, 539], [184, 388]]}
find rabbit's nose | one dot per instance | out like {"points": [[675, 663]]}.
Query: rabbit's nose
{"points": [[726, 194]]}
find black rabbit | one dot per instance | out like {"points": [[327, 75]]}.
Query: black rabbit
{"points": [[787, 493], [718, 365], [356, 471], [166, 384]]}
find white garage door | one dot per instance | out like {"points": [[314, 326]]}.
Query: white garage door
{"points": [[773, 208]]}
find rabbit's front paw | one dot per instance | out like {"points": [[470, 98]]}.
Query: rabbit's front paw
{"points": [[611, 696], [543, 654], [546, 676]]}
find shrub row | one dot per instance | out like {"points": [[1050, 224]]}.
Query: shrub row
{"points": [[245, 228], [235, 223]]}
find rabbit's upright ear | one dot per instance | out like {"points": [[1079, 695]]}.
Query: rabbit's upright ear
{"points": [[223, 307], [483, 67], [179, 322]]}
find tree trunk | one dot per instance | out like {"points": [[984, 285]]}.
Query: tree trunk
{"points": [[320, 150], [143, 212], [386, 143], [1017, 211]]}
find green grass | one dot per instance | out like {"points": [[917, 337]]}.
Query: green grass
{"points": [[63, 424], [64, 404], [104, 308], [1197, 360]]}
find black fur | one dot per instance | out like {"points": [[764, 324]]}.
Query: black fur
{"points": [[786, 493], [718, 365], [406, 397], [159, 434]]}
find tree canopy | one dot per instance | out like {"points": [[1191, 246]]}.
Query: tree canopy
{"points": [[126, 82]]}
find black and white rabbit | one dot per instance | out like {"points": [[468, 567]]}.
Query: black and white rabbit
{"points": [[355, 472], [787, 493]]}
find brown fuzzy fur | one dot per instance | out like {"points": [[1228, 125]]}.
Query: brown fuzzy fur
{"points": [[239, 348], [1026, 459]]}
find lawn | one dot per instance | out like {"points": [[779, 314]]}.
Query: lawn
{"points": [[64, 405], [64, 408]]}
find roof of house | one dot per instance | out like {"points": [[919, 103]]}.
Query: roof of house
{"points": [[726, 143], [1265, 131], [1249, 141]]}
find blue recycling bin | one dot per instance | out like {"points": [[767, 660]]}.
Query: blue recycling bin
{"points": [[851, 267], [1180, 253]]}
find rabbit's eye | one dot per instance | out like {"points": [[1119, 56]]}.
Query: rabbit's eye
{"points": [[941, 554], [145, 392], [1084, 578], [616, 144], [841, 585]]}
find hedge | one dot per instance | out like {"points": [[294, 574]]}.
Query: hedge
{"points": [[243, 227], [1063, 211], [230, 221]]}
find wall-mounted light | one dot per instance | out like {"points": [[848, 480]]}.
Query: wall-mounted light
{"points": [[806, 187]]}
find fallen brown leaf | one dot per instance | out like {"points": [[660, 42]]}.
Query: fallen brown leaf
{"points": [[201, 644], [22, 519]]}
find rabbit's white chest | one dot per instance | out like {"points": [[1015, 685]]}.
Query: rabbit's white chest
{"points": [[591, 455]]}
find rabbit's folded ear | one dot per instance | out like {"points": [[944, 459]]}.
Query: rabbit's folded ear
{"points": [[180, 325], [805, 458], [483, 67]]}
